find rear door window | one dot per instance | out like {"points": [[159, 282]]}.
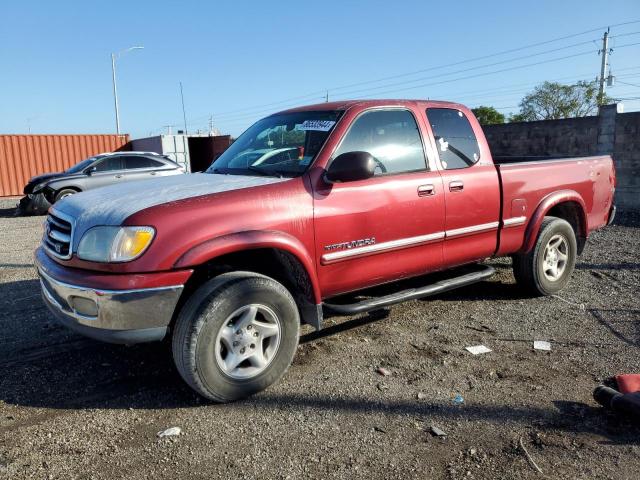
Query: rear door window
{"points": [[456, 143], [135, 161], [391, 136]]}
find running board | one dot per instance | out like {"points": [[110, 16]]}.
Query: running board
{"points": [[411, 293]]}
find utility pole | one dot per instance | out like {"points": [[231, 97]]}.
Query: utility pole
{"points": [[184, 115], [603, 67], [211, 125], [326, 98]]}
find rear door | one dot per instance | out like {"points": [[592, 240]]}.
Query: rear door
{"points": [[471, 186], [390, 226], [140, 167]]}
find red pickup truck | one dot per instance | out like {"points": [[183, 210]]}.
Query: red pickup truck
{"points": [[307, 205]]}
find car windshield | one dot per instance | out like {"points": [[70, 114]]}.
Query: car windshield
{"points": [[281, 145], [78, 167]]}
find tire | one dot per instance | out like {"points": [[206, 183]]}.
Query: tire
{"points": [[65, 192], [531, 270], [201, 349]]}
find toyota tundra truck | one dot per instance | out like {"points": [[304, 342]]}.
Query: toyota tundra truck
{"points": [[305, 208]]}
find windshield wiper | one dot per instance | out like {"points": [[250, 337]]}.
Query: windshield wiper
{"points": [[266, 172]]}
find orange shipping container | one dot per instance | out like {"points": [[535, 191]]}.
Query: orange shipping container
{"points": [[23, 156]]}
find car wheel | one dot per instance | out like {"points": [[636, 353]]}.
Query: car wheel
{"points": [[236, 335], [547, 268], [65, 192]]}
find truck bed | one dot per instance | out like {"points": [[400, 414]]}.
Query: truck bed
{"points": [[526, 184]]}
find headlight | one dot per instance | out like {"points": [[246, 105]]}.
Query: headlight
{"points": [[114, 244]]}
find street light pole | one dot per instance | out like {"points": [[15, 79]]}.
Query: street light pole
{"points": [[115, 92], [115, 88]]}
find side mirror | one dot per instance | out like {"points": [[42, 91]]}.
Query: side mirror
{"points": [[351, 166], [89, 171]]}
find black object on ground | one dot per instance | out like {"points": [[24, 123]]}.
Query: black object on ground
{"points": [[33, 204], [627, 404]]}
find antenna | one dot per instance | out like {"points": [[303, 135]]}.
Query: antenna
{"points": [[184, 115]]}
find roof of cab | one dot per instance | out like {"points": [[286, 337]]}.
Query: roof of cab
{"points": [[348, 104]]}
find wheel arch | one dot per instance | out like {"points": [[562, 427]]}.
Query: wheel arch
{"points": [[55, 189], [275, 254], [565, 204]]}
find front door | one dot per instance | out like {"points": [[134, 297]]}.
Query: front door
{"points": [[108, 171], [387, 227], [471, 187]]}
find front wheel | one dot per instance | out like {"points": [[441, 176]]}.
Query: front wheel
{"points": [[64, 193], [547, 268], [236, 335]]}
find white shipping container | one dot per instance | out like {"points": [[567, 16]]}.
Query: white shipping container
{"points": [[176, 147]]}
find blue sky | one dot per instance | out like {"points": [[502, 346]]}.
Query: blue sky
{"points": [[241, 60]]}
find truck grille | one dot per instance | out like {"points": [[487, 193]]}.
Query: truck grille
{"points": [[58, 233]]}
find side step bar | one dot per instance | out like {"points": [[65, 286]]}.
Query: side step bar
{"points": [[411, 293]]}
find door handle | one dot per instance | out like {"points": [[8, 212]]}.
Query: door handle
{"points": [[456, 186], [118, 176], [153, 173], [426, 190]]}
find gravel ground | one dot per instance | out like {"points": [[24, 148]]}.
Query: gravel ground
{"points": [[76, 409]]}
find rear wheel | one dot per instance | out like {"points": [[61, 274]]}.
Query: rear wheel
{"points": [[547, 268], [65, 192], [236, 335]]}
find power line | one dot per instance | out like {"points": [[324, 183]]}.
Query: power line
{"points": [[370, 90], [631, 84], [319, 92], [254, 110], [471, 68], [498, 71], [470, 95]]}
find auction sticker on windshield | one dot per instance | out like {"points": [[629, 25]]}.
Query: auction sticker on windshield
{"points": [[318, 125]]}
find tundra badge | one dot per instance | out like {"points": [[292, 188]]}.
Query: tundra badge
{"points": [[352, 244]]}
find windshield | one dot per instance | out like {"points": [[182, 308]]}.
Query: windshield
{"points": [[78, 167], [280, 145]]}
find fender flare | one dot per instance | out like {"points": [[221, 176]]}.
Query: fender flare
{"points": [[248, 240], [546, 204]]}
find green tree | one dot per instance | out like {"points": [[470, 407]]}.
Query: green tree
{"points": [[488, 115], [552, 100]]}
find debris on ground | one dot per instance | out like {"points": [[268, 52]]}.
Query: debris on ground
{"points": [[458, 400], [383, 371], [421, 395], [170, 432], [581, 306], [437, 432], [541, 345], [478, 349], [529, 458]]}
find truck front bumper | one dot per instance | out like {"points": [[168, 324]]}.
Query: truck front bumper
{"points": [[114, 316]]}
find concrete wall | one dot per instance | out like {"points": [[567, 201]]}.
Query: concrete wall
{"points": [[627, 157], [611, 132]]}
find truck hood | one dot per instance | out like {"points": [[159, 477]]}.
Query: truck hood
{"points": [[113, 204]]}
